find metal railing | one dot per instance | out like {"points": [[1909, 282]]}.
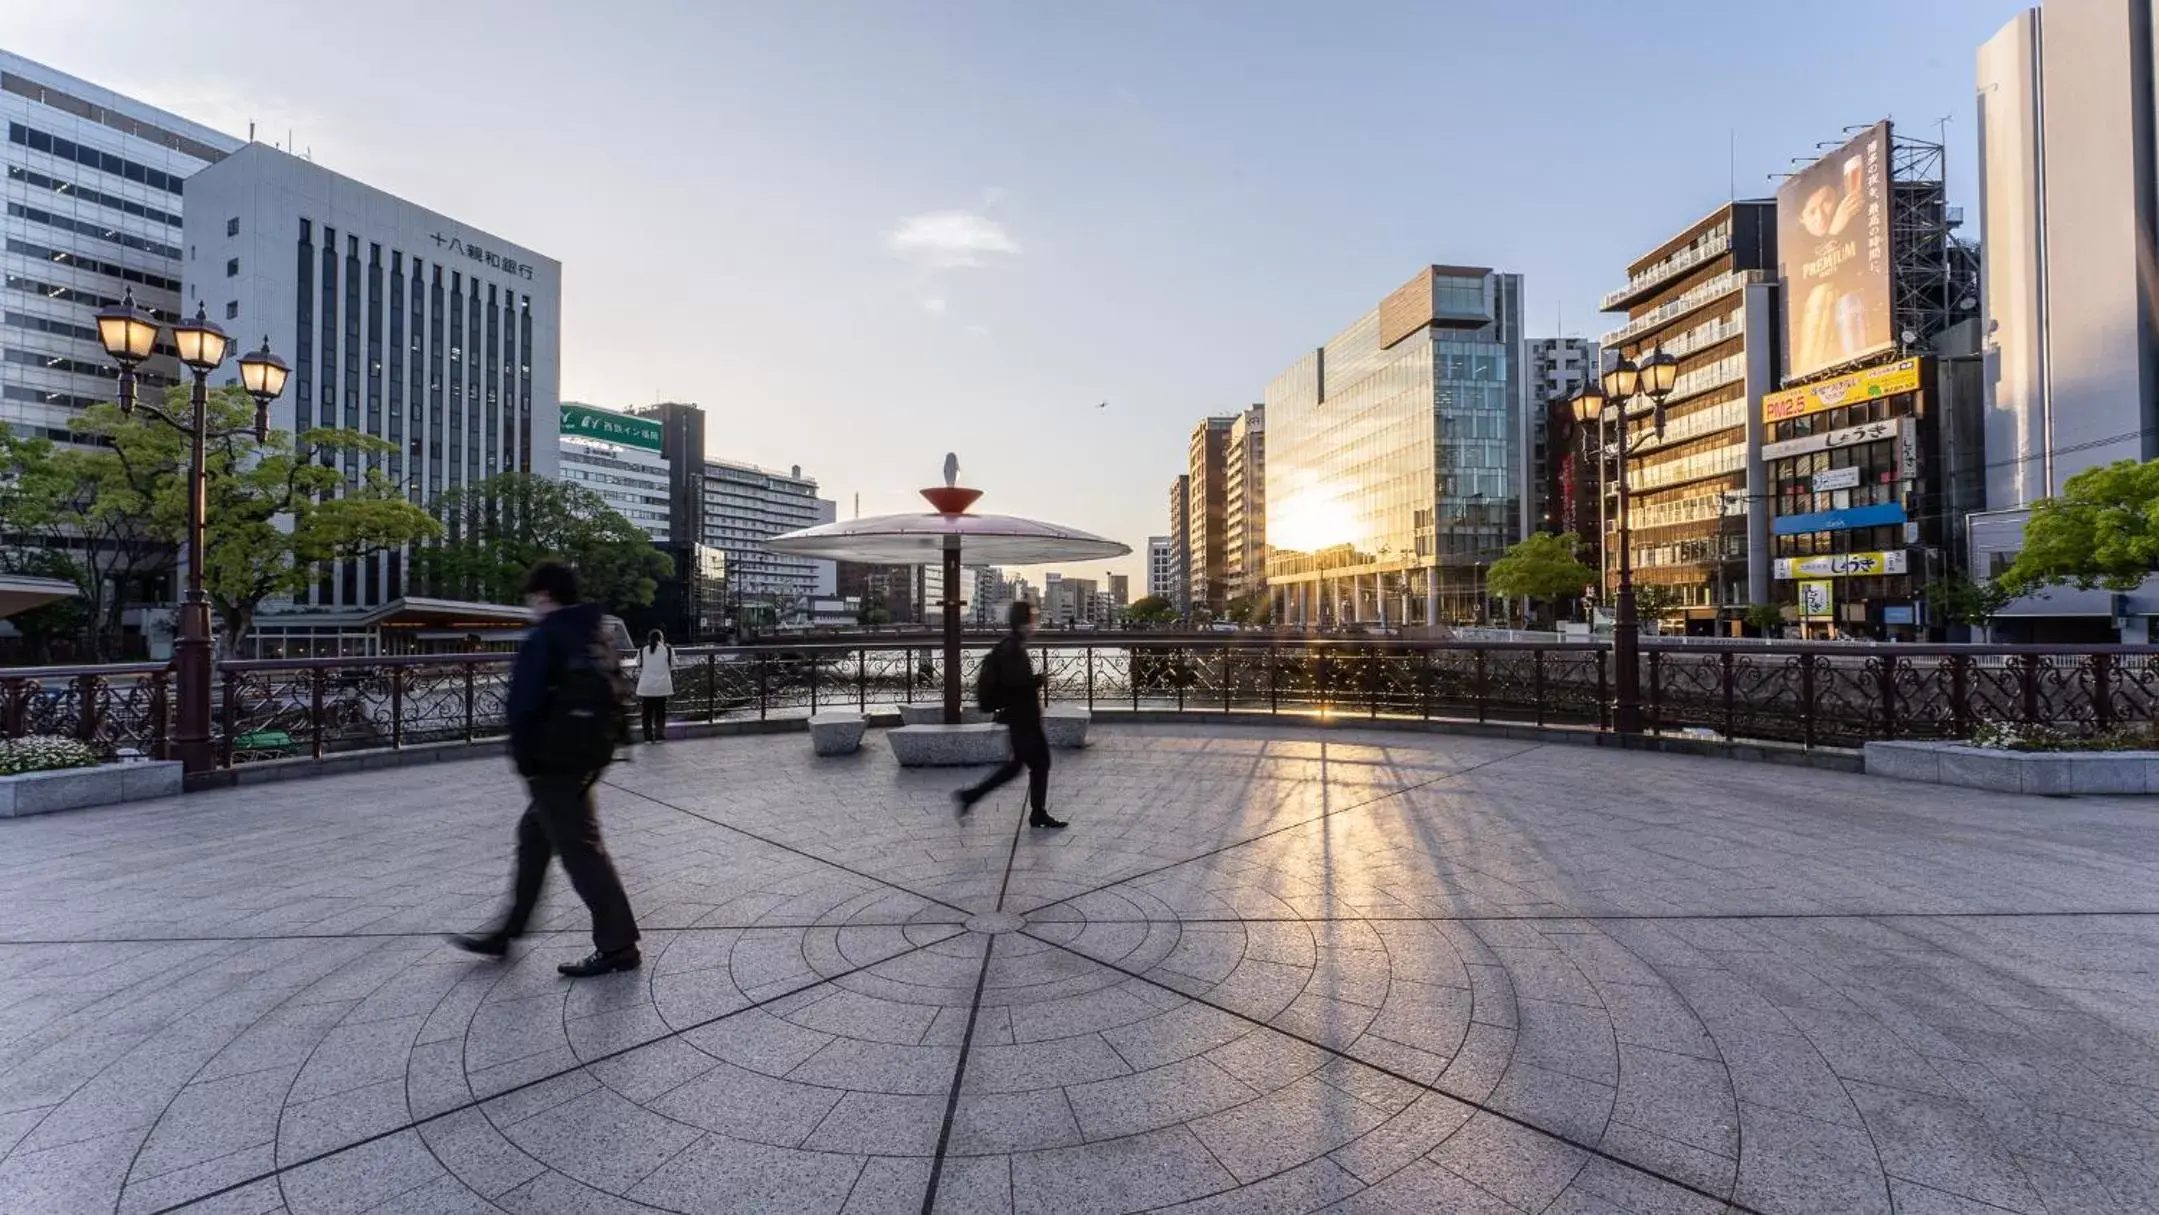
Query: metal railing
{"points": [[1811, 695]]}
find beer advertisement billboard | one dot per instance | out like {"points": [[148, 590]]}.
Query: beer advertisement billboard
{"points": [[1833, 254]]}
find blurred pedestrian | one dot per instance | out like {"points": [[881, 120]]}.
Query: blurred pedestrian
{"points": [[1008, 687], [655, 683], [566, 716]]}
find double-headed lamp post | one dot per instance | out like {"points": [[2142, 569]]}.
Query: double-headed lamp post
{"points": [[1654, 378], [130, 334]]}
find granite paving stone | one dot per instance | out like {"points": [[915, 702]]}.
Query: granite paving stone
{"points": [[1268, 968]]}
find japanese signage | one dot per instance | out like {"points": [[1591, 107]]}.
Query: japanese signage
{"points": [[1852, 436], [491, 258], [1837, 520], [1836, 478], [583, 421], [1833, 243], [1817, 600], [1842, 565], [1885, 381]]}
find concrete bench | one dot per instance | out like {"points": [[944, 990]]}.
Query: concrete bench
{"points": [[1066, 725], [837, 733], [929, 713], [958, 746]]}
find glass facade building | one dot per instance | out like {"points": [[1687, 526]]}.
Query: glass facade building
{"points": [[1394, 458]]}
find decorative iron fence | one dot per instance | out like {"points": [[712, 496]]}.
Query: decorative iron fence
{"points": [[1819, 695]]}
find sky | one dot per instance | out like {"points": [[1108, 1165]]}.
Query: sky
{"points": [[1047, 237]]}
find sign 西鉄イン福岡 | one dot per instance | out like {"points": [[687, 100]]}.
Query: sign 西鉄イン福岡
{"points": [[1842, 565], [585, 422]]}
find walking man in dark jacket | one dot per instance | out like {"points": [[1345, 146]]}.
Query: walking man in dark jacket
{"points": [[560, 820], [1015, 693]]}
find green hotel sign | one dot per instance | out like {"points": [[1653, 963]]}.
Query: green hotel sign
{"points": [[610, 427]]}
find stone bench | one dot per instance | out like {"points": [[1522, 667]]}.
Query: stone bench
{"points": [[1066, 725], [932, 713], [837, 733], [939, 746]]}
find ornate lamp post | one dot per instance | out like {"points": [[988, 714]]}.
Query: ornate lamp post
{"points": [[1653, 378], [129, 335]]}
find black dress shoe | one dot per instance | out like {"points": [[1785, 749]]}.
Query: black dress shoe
{"points": [[962, 801], [489, 945], [600, 963], [1044, 820]]}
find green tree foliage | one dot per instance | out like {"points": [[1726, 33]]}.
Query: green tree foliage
{"points": [[1653, 602], [1963, 601], [1147, 611], [79, 501], [1542, 566], [1764, 617], [497, 529], [61, 620], [2101, 530], [275, 512]]}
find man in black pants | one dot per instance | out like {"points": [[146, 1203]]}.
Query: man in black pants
{"points": [[561, 820], [1014, 692]]}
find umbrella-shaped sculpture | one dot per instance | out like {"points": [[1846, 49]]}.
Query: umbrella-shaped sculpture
{"points": [[948, 533]]}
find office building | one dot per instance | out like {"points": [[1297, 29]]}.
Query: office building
{"points": [[991, 602], [1556, 369], [886, 592], [94, 211], [744, 506], [422, 330], [1207, 514], [1707, 297], [617, 456], [1394, 457], [1180, 538], [1864, 444], [1244, 507], [1162, 568], [1067, 602]]}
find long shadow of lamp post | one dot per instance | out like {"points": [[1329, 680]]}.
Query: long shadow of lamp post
{"points": [[129, 334]]}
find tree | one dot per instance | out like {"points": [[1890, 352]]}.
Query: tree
{"points": [[498, 528], [1652, 601], [62, 619], [1148, 611], [81, 502], [2101, 530], [1542, 566], [273, 515], [1964, 601], [1764, 616]]}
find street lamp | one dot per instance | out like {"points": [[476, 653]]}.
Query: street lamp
{"points": [[129, 334], [1654, 377]]}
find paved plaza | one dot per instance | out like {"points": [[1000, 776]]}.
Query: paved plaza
{"points": [[1265, 970]]}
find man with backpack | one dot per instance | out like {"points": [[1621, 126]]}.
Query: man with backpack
{"points": [[566, 716], [1008, 687]]}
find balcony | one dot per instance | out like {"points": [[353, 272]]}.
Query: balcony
{"points": [[1696, 298], [1665, 271], [1702, 337]]}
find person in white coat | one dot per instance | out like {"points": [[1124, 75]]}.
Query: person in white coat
{"points": [[655, 683]]}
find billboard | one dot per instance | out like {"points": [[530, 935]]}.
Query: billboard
{"points": [[1887, 380], [585, 422], [1833, 250]]}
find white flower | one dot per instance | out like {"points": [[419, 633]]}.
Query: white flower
{"points": [[44, 753]]}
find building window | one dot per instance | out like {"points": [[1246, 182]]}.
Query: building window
{"points": [[232, 267], [232, 310], [232, 226]]}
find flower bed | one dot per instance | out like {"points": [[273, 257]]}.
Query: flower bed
{"points": [[43, 773]]}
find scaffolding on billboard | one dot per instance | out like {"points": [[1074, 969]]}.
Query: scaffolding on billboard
{"points": [[1933, 276]]}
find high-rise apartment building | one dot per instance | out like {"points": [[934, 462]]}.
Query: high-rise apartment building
{"points": [[618, 457], [1705, 296], [1244, 505], [1394, 457], [744, 506], [1180, 538], [1207, 514], [1556, 369], [422, 330], [1162, 568], [94, 211]]}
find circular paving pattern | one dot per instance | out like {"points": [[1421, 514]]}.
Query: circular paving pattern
{"points": [[1259, 973]]}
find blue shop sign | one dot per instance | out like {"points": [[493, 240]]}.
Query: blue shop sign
{"points": [[1838, 520], [1898, 614]]}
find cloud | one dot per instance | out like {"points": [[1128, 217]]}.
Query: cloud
{"points": [[934, 304], [948, 239]]}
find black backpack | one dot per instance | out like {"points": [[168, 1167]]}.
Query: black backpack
{"points": [[587, 714], [989, 681]]}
